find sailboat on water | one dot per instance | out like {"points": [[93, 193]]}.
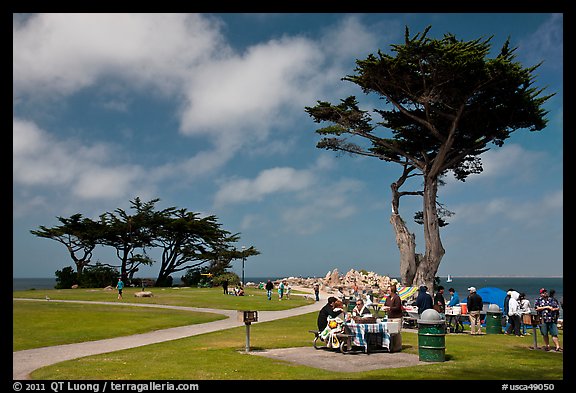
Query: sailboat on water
{"points": [[449, 279]]}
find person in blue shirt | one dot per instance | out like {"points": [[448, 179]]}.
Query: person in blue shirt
{"points": [[454, 298], [119, 287]]}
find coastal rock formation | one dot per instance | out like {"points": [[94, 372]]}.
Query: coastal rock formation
{"points": [[366, 281]]}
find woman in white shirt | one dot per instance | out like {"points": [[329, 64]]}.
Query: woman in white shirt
{"points": [[526, 309]]}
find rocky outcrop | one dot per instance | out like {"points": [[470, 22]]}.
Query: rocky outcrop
{"points": [[366, 281]]}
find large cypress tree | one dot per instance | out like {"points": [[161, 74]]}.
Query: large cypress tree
{"points": [[445, 101]]}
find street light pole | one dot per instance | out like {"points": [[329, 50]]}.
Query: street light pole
{"points": [[243, 260]]}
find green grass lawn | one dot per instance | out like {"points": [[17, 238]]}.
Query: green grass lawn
{"points": [[187, 297], [41, 324], [220, 355]]}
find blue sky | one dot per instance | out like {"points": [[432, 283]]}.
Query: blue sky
{"points": [[206, 112]]}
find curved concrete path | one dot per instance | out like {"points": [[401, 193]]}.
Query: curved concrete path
{"points": [[26, 361]]}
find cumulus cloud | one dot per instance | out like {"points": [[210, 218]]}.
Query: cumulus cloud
{"points": [[269, 181], [511, 161], [530, 212], [321, 205], [63, 53], [546, 42], [231, 98], [40, 159], [248, 90]]}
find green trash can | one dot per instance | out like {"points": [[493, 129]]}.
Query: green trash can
{"points": [[431, 337], [493, 320], [351, 304]]}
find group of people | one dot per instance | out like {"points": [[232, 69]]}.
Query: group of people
{"points": [[334, 309], [238, 289], [284, 290], [425, 301], [516, 307], [547, 308]]}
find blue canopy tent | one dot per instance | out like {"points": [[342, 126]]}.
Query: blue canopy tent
{"points": [[491, 295]]}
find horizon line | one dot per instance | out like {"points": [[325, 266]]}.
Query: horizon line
{"points": [[312, 276]]}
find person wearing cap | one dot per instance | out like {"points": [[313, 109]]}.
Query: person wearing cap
{"points": [[547, 308], [475, 305]]}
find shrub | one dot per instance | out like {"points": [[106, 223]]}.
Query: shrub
{"points": [[65, 278]]}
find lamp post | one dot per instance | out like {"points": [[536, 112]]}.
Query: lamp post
{"points": [[243, 260]]}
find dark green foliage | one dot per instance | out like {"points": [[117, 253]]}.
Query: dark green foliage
{"points": [[65, 278], [98, 276], [444, 103], [187, 241], [165, 282], [232, 278], [194, 277]]}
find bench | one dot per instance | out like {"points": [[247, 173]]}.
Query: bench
{"points": [[344, 339]]}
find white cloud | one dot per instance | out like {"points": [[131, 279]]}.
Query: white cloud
{"points": [[62, 53], [511, 161], [530, 212], [349, 39], [41, 160], [546, 43], [233, 99], [269, 181], [321, 205], [247, 94]]}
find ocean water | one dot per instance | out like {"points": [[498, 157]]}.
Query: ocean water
{"points": [[529, 285], [22, 284]]}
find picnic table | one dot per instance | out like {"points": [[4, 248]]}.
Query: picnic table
{"points": [[367, 337], [454, 322]]}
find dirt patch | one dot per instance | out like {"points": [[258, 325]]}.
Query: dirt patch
{"points": [[335, 361]]}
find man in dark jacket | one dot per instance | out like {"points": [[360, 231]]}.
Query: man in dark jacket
{"points": [[327, 310], [269, 287], [475, 305], [440, 302], [505, 319], [423, 300]]}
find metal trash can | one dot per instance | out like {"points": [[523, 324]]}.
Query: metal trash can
{"points": [[431, 337], [351, 306], [493, 320]]}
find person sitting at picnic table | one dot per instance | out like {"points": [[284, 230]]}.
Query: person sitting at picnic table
{"points": [[360, 309], [325, 312], [335, 319]]}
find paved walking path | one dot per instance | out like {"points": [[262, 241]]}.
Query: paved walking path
{"points": [[26, 361]]}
